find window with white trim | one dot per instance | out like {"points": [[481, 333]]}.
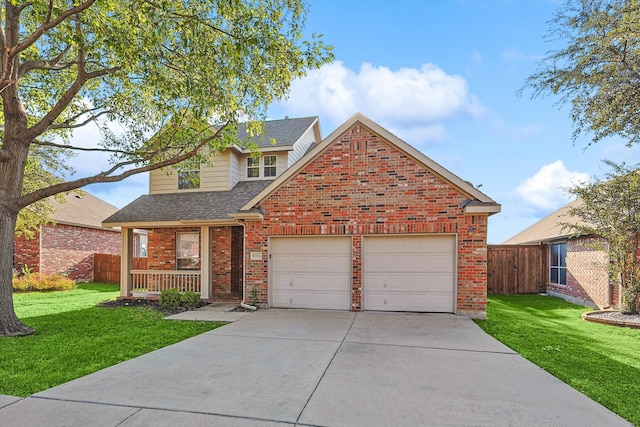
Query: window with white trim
{"points": [[253, 167], [269, 163], [187, 251], [558, 264], [188, 179]]}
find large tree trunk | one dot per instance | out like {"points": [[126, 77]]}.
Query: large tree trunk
{"points": [[10, 326], [13, 156]]}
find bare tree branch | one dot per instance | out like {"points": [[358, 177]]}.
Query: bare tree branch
{"points": [[88, 149], [194, 17], [24, 6], [49, 11], [67, 124], [29, 41], [106, 176], [82, 77], [45, 64]]}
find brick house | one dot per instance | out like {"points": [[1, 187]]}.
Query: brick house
{"points": [[67, 245], [575, 271], [358, 221]]}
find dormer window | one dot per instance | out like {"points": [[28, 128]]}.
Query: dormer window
{"points": [[253, 167], [269, 166]]}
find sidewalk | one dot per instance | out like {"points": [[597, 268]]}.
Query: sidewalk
{"points": [[217, 312]]}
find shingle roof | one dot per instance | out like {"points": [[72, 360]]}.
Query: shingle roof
{"points": [[548, 228], [83, 210], [285, 132], [191, 206]]}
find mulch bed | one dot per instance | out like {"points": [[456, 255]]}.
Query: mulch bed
{"points": [[142, 302], [615, 318]]}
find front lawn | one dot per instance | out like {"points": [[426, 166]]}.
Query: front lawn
{"points": [[603, 362], [75, 338]]}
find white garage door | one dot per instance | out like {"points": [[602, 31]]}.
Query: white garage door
{"points": [[409, 273], [311, 272]]}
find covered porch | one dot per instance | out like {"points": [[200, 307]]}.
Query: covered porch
{"points": [[203, 258]]}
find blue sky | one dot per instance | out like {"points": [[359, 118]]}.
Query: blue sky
{"points": [[442, 76]]}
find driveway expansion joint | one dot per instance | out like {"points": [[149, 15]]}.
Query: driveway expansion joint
{"points": [[276, 338], [178, 411], [327, 368], [468, 350]]}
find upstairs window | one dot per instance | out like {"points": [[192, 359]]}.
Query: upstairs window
{"points": [[269, 166], [558, 264], [253, 167], [189, 175], [188, 179], [187, 251]]}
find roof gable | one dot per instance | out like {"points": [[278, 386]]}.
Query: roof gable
{"points": [[548, 228], [479, 202], [83, 210]]}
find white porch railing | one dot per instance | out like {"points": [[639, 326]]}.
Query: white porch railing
{"points": [[151, 281]]}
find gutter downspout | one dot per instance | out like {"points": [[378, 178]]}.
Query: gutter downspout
{"points": [[243, 304]]}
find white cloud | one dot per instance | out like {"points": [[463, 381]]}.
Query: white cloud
{"points": [[420, 136], [544, 191], [418, 100]]}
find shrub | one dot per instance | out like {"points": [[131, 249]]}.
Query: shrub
{"points": [[35, 282], [190, 299], [169, 298]]}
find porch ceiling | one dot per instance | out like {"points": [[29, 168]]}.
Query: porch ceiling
{"points": [[203, 206]]}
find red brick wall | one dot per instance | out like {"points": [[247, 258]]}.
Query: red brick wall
{"points": [[26, 252], [363, 185], [587, 276], [221, 260], [226, 256], [69, 249], [162, 247]]}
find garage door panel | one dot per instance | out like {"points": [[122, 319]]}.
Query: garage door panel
{"points": [[311, 272], [311, 299], [409, 273], [439, 263], [307, 263], [388, 301]]}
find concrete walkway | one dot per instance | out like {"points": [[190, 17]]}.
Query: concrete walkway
{"points": [[319, 368]]}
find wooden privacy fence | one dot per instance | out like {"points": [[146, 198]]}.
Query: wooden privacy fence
{"points": [[515, 269], [106, 268]]}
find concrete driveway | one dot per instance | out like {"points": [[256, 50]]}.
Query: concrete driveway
{"points": [[319, 368]]}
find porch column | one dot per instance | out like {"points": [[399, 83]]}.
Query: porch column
{"points": [[126, 261], [205, 262]]}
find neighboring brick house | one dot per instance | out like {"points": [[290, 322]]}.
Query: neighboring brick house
{"points": [[575, 270], [67, 245], [358, 221]]}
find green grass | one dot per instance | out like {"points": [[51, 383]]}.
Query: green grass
{"points": [[603, 362], [81, 338], [86, 295]]}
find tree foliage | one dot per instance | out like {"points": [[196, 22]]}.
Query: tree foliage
{"points": [[145, 65], [598, 70], [610, 210]]}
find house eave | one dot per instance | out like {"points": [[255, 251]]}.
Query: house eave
{"points": [[488, 209], [77, 224], [275, 148], [165, 224], [247, 216]]}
